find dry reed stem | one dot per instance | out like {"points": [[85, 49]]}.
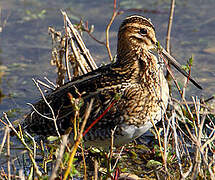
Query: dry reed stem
{"points": [[59, 156], [201, 157], [44, 157], [183, 175], [34, 151], [80, 43], [58, 51], [4, 139], [160, 146], [169, 73], [77, 142], [179, 90], [60, 68], [118, 157], [81, 53], [110, 154], [112, 142], [67, 50], [78, 57], [165, 141], [8, 153], [165, 130], [210, 169], [20, 137], [85, 165], [21, 175], [96, 166]]}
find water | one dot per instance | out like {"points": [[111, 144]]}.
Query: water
{"points": [[25, 46]]}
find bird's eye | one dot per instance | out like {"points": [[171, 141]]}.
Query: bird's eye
{"points": [[143, 31]]}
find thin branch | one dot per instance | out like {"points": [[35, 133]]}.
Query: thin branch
{"points": [[170, 26], [52, 111], [168, 37], [39, 112], [86, 28], [115, 13], [50, 82], [45, 85]]}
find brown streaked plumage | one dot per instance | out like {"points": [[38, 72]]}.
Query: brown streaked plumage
{"points": [[136, 77]]}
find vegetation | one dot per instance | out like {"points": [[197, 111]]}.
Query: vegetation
{"points": [[181, 145]]}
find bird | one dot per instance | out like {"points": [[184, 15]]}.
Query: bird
{"points": [[133, 89]]}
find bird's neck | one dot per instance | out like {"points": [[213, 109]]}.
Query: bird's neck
{"points": [[137, 63]]}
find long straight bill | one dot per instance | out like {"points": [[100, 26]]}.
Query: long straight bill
{"points": [[178, 66]]}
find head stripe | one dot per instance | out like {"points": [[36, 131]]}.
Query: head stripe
{"points": [[137, 19]]}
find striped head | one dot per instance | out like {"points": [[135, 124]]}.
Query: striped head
{"points": [[134, 33]]}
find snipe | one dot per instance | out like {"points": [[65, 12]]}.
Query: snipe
{"points": [[136, 79]]}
